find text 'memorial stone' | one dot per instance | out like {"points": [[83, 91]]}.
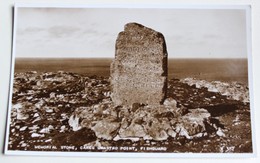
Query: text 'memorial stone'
{"points": [[139, 70]]}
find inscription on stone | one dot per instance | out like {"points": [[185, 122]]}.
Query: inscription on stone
{"points": [[139, 70]]}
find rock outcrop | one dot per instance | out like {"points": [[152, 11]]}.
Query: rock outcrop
{"points": [[232, 90], [84, 114]]}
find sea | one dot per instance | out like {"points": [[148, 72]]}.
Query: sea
{"points": [[225, 70]]}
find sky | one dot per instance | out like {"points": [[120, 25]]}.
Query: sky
{"points": [[92, 32]]}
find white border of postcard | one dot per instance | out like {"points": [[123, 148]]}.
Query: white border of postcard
{"points": [[247, 8]]}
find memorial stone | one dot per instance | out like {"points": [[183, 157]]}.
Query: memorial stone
{"points": [[139, 70]]}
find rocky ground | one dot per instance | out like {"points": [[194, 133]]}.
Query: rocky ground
{"points": [[69, 112]]}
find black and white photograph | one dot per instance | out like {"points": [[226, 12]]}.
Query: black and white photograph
{"points": [[130, 80]]}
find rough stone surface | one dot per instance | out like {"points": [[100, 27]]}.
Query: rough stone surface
{"points": [[233, 90], [139, 70], [105, 129], [148, 122], [194, 122]]}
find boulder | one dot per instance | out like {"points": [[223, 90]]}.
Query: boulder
{"points": [[106, 129]]}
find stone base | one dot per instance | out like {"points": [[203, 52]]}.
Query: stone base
{"points": [[157, 122]]}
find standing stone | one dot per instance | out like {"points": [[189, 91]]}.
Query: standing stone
{"points": [[139, 70]]}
